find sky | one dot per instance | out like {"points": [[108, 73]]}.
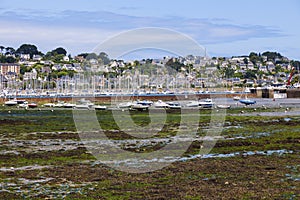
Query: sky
{"points": [[223, 28]]}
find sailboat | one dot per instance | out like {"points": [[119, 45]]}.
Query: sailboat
{"points": [[247, 101]]}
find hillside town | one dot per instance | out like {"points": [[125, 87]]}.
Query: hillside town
{"points": [[27, 70]]}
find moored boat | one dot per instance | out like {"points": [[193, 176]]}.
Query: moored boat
{"points": [[236, 98], [140, 107], [223, 106], [160, 104], [207, 103], [99, 107], [247, 101], [125, 105], [174, 105], [32, 105], [11, 103], [192, 104]]}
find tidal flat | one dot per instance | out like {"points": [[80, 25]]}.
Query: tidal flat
{"points": [[255, 156]]}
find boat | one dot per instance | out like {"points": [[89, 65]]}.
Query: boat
{"points": [[82, 106], [32, 105], [236, 98], [69, 105], [59, 104], [192, 104], [86, 102], [99, 107], [50, 105], [23, 105], [20, 101], [207, 103], [11, 103], [136, 106], [247, 101], [125, 105], [145, 102], [160, 104], [174, 105], [223, 106]]}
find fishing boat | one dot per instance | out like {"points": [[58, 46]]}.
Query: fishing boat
{"points": [[207, 103]]}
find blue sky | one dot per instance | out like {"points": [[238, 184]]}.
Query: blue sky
{"points": [[225, 28]]}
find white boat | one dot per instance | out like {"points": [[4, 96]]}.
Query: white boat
{"points": [[137, 106], [145, 102], [11, 103], [236, 98], [160, 104], [99, 107], [49, 105], [207, 103], [82, 106], [192, 104], [59, 104], [125, 105], [223, 106], [24, 105], [174, 105]]}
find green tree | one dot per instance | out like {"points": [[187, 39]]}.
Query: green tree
{"points": [[174, 64], [250, 75], [254, 58], [2, 48], [229, 72], [10, 50], [272, 55], [28, 49], [104, 57], [59, 51]]}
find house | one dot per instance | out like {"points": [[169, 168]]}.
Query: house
{"points": [[243, 66], [250, 66], [57, 67], [25, 56], [6, 68], [46, 70], [79, 58], [29, 75], [271, 67], [234, 80], [263, 68], [249, 81], [37, 58]]}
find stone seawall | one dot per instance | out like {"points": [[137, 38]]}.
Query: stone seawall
{"points": [[293, 93]]}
